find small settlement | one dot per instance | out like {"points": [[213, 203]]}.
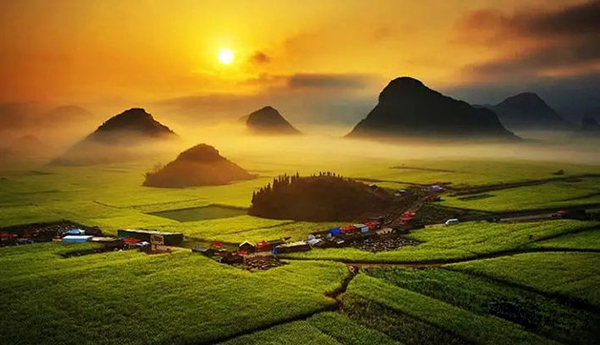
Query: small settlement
{"points": [[371, 236]]}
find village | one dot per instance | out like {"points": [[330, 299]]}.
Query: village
{"points": [[377, 233], [372, 236]]}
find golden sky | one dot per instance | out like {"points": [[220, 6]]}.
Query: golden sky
{"points": [[96, 50]]}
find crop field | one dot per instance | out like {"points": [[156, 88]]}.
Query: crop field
{"points": [[324, 328], [201, 213], [587, 240], [468, 240], [555, 194], [486, 283], [543, 315], [571, 275], [470, 327], [130, 297]]}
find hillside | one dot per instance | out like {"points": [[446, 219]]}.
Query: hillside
{"points": [[117, 139], [201, 165], [323, 197], [529, 111], [409, 109], [269, 121]]}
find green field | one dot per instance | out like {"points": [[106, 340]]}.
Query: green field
{"points": [[543, 315], [463, 241], [201, 213], [573, 276], [547, 269], [481, 329], [554, 194], [130, 297]]}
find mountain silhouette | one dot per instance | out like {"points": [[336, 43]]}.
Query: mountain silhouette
{"points": [[201, 165], [35, 115], [67, 113], [408, 108], [118, 139], [268, 120], [134, 122], [529, 111], [589, 127]]}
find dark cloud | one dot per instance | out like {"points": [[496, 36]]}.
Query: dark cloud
{"points": [[580, 19], [545, 41], [328, 81], [260, 58], [547, 58]]}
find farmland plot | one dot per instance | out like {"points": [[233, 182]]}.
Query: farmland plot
{"points": [[130, 297]]}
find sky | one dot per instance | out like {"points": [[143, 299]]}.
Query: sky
{"points": [[318, 60]]}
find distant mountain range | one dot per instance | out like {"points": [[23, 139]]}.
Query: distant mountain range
{"points": [[33, 115], [117, 139], [528, 111], [268, 121], [409, 109]]}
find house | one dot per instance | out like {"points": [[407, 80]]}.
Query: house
{"points": [[266, 246], [373, 225], [361, 227], [76, 238], [208, 252], [170, 238], [263, 246], [76, 232], [247, 247], [293, 247], [94, 231], [349, 229], [335, 231]]}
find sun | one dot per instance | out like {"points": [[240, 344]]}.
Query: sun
{"points": [[225, 56]]}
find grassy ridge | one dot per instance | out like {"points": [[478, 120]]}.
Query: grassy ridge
{"points": [[587, 240], [469, 326], [570, 275], [540, 314]]}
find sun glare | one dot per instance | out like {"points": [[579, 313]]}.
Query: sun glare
{"points": [[226, 56]]}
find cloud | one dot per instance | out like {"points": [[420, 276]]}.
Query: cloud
{"points": [[308, 82], [535, 42], [304, 97], [304, 81], [260, 58]]}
